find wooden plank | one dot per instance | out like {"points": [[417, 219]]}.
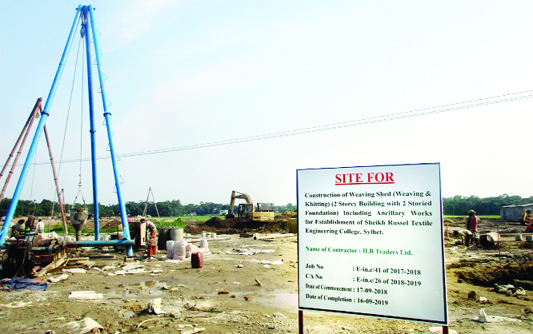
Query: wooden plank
{"points": [[273, 236], [54, 264]]}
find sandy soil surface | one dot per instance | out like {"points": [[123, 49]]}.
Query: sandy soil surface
{"points": [[225, 297]]}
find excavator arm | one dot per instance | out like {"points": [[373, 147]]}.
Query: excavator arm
{"points": [[263, 212], [235, 195]]}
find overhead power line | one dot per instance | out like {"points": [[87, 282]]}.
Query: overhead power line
{"points": [[333, 126]]}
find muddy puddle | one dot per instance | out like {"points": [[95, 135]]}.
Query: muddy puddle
{"points": [[129, 314], [285, 301], [149, 288]]}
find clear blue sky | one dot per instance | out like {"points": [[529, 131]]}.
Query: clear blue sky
{"points": [[184, 73]]}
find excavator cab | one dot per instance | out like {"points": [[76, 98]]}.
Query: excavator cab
{"points": [[245, 210], [265, 207]]}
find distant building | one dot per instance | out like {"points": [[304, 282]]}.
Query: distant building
{"points": [[514, 213]]}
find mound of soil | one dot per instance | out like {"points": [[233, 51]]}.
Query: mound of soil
{"points": [[220, 223], [505, 272], [277, 226], [215, 224], [234, 226], [105, 223], [287, 215]]}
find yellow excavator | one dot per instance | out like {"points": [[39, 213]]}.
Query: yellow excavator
{"points": [[263, 212]]}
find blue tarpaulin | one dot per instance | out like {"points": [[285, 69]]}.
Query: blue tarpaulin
{"points": [[17, 284]]}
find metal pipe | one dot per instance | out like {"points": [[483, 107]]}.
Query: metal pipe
{"points": [[38, 132], [85, 17], [107, 116], [155, 203], [123, 242], [63, 217], [25, 132], [28, 121], [489, 240], [39, 249]]}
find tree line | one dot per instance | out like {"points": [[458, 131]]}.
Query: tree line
{"points": [[172, 208], [456, 205], [460, 205]]}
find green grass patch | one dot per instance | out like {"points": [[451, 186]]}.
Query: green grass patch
{"points": [[490, 216], [59, 229], [177, 222], [199, 218], [180, 221]]}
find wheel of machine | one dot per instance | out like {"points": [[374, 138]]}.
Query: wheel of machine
{"points": [[37, 239]]}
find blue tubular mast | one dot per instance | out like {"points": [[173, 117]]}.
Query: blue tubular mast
{"points": [[86, 34], [107, 116], [38, 132], [86, 15]]}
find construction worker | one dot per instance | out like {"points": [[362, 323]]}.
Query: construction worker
{"points": [[472, 223], [151, 230], [528, 217], [39, 228]]}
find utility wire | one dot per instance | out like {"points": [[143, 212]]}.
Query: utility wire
{"points": [[505, 98]]}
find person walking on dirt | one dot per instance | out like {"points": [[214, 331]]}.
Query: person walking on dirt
{"points": [[528, 218], [472, 223], [529, 228], [152, 237]]}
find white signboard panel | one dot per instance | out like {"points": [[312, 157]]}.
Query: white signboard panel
{"points": [[370, 242]]}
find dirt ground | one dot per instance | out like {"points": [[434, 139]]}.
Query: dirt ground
{"points": [[225, 297]]}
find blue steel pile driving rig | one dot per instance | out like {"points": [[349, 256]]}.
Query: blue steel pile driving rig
{"points": [[28, 253]]}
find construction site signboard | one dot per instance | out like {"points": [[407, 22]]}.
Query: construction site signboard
{"points": [[370, 242]]}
